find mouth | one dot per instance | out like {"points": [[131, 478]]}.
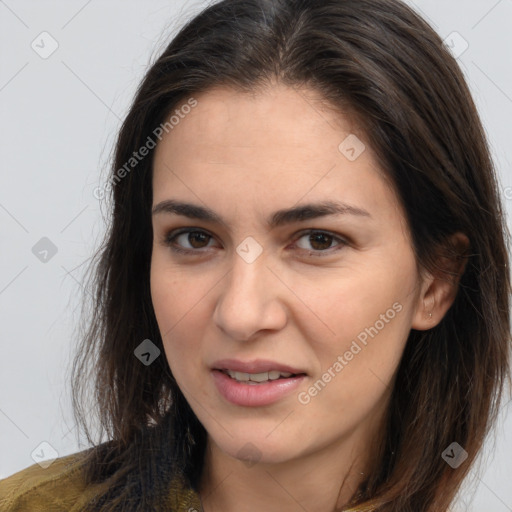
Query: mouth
{"points": [[255, 383], [259, 378], [257, 370]]}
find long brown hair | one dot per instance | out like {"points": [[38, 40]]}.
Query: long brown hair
{"points": [[381, 61]]}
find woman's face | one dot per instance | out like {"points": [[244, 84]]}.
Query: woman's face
{"points": [[279, 247]]}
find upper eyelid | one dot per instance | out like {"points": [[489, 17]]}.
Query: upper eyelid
{"points": [[189, 229]]}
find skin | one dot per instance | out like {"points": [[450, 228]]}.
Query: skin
{"points": [[246, 156]]}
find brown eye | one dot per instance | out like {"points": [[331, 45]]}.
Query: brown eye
{"points": [[189, 240], [320, 241], [198, 240]]}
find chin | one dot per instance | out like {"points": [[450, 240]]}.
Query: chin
{"points": [[252, 453], [252, 448]]}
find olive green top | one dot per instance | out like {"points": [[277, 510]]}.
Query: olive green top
{"points": [[60, 488]]}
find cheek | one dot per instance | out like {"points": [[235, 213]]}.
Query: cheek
{"points": [[163, 295], [365, 314], [358, 361], [180, 303], [175, 295]]}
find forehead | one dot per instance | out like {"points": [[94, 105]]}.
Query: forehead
{"points": [[279, 144], [278, 118]]}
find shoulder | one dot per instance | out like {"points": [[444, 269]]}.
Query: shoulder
{"points": [[56, 487], [61, 487], [182, 498]]}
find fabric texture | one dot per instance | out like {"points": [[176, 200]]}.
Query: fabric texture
{"points": [[60, 488]]}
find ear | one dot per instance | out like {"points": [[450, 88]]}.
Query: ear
{"points": [[439, 287]]}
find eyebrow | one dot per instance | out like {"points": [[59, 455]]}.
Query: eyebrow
{"points": [[279, 218]]}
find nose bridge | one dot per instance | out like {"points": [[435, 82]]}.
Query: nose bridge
{"points": [[248, 301], [244, 285]]}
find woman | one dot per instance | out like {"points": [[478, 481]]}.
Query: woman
{"points": [[303, 297]]}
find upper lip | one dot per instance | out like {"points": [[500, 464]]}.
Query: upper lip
{"points": [[254, 366]]}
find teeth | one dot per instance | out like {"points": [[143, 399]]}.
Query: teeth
{"points": [[258, 377], [250, 378]]}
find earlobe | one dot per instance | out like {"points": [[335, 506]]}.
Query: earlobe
{"points": [[425, 317], [439, 289]]}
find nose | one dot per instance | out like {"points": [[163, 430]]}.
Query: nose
{"points": [[250, 301]]}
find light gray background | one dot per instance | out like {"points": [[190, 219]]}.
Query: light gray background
{"points": [[59, 117]]}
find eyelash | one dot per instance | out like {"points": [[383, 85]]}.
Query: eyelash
{"points": [[171, 236]]}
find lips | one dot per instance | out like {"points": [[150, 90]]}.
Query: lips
{"points": [[255, 383]]}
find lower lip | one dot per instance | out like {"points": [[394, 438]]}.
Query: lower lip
{"points": [[254, 395]]}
